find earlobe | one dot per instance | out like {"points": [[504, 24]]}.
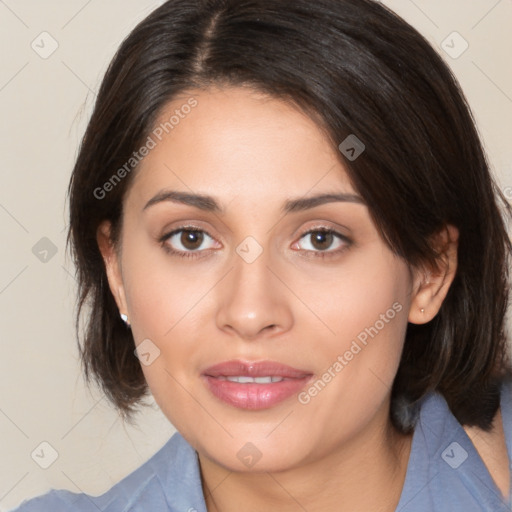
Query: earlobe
{"points": [[431, 286], [112, 264]]}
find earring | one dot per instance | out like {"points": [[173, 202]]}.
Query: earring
{"points": [[422, 310], [124, 318]]}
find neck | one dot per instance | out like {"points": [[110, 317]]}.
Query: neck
{"points": [[366, 473]]}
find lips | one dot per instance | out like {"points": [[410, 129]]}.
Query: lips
{"points": [[254, 385], [254, 369]]}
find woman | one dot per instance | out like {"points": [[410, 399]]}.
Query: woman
{"points": [[283, 208]]}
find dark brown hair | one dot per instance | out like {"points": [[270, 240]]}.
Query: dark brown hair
{"points": [[359, 69]]}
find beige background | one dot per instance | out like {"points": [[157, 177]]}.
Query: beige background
{"points": [[44, 105]]}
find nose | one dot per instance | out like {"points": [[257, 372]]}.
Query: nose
{"points": [[253, 302]]}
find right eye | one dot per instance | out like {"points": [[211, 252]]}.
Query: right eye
{"points": [[186, 241]]}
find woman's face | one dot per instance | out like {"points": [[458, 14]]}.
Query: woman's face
{"points": [[250, 275]]}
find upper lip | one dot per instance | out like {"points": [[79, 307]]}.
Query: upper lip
{"points": [[254, 369]]}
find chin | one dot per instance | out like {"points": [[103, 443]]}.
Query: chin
{"points": [[254, 456]]}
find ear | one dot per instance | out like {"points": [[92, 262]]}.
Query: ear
{"points": [[431, 285], [112, 265]]}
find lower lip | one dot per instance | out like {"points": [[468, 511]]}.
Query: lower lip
{"points": [[254, 396]]}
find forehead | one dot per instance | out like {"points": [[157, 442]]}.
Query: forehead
{"points": [[238, 142]]}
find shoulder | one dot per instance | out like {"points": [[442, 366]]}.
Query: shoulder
{"points": [[149, 487], [495, 446], [453, 468]]}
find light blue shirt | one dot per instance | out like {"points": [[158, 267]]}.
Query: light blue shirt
{"points": [[444, 474]]}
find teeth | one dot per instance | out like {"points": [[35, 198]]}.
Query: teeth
{"points": [[243, 379]]}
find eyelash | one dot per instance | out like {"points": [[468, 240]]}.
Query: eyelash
{"points": [[194, 254], [182, 254]]}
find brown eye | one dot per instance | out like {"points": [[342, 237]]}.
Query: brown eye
{"points": [[187, 241], [321, 240], [191, 240]]}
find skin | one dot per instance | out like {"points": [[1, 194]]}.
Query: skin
{"points": [[252, 153]]}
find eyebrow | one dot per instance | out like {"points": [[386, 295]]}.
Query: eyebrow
{"points": [[209, 204]]}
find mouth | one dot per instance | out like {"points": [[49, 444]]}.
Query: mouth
{"points": [[254, 385]]}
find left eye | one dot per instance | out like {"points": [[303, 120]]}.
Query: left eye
{"points": [[187, 240], [322, 240]]}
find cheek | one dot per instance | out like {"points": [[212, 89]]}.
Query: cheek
{"points": [[365, 309], [352, 302], [166, 306], [161, 291]]}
